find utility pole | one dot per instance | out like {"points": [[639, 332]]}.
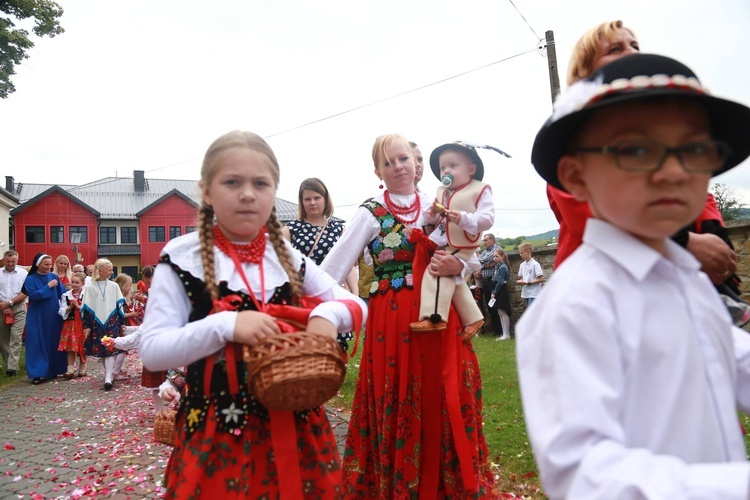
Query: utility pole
{"points": [[554, 79]]}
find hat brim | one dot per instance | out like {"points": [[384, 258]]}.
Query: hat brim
{"points": [[470, 152], [730, 122]]}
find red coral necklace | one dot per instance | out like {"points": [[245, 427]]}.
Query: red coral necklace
{"points": [[397, 210]]}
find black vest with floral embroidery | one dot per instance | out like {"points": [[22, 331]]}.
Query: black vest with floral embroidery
{"points": [[392, 254]]}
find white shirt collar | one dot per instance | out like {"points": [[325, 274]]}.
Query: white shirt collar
{"points": [[633, 255]]}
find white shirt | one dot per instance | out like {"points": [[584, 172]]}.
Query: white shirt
{"points": [[631, 374], [11, 282], [529, 271], [169, 340], [363, 228]]}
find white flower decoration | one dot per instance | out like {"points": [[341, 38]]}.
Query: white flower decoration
{"points": [[232, 413]]}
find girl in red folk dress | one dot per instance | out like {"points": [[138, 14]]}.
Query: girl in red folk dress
{"points": [[207, 298], [140, 297], [71, 335], [416, 423]]}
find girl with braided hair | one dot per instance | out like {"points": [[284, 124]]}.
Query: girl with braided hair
{"points": [[207, 299]]}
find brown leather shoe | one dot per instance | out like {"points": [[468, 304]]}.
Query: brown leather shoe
{"points": [[471, 330], [427, 326], [69, 375]]}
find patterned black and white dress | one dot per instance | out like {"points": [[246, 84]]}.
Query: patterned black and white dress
{"points": [[303, 236]]}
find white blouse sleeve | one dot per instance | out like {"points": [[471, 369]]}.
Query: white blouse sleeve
{"points": [[321, 285], [359, 232], [168, 339], [484, 216], [128, 342]]}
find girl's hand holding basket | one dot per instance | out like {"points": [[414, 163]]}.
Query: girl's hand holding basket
{"points": [[252, 327]]}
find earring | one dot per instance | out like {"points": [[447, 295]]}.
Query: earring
{"points": [[380, 186]]}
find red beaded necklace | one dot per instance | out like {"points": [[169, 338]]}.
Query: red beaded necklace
{"points": [[397, 210], [249, 252]]}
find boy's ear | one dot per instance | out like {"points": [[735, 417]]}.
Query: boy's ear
{"points": [[472, 169], [569, 172]]}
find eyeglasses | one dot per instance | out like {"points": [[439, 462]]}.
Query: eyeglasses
{"points": [[701, 157]]}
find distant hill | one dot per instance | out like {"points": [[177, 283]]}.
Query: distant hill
{"points": [[544, 236]]}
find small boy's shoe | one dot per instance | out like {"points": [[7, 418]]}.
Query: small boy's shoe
{"points": [[740, 311], [472, 329], [427, 326], [107, 386]]}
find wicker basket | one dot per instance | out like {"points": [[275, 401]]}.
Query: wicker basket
{"points": [[164, 426], [294, 371]]}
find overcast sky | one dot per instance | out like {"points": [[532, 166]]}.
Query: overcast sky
{"points": [[148, 85]]}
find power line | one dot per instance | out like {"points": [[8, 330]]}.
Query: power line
{"points": [[524, 20], [357, 108], [397, 95], [173, 164]]}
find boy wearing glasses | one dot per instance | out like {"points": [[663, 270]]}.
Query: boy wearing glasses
{"points": [[631, 371]]}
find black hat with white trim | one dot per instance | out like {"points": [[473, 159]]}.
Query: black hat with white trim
{"points": [[637, 76]]}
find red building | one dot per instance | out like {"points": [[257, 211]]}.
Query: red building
{"points": [[49, 222], [171, 216], [127, 220]]}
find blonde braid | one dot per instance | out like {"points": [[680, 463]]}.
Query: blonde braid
{"points": [[279, 245], [206, 237]]}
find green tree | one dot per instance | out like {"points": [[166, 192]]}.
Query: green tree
{"points": [[15, 42], [727, 202]]}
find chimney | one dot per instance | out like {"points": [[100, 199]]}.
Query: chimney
{"points": [[139, 181], [10, 186]]}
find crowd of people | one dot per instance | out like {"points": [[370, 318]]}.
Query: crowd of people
{"points": [[627, 154], [61, 316]]}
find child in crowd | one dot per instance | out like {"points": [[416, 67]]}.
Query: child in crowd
{"points": [[103, 315], [140, 297], [530, 272], [149, 380], [207, 299], [630, 369], [71, 335], [125, 282], [172, 389], [462, 210], [500, 297]]}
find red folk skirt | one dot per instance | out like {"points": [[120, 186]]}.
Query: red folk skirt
{"points": [[416, 424]]}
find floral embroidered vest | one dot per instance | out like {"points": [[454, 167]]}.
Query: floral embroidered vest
{"points": [[392, 254]]}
